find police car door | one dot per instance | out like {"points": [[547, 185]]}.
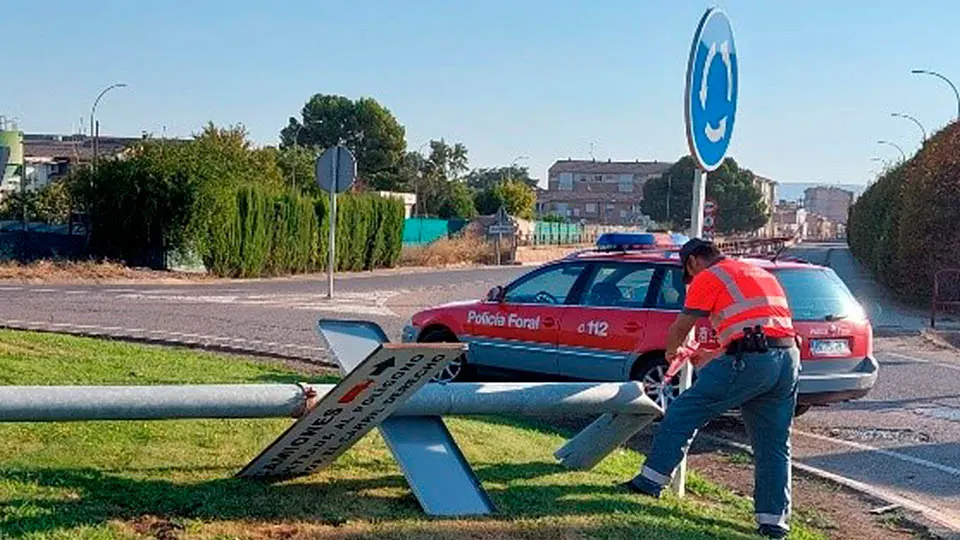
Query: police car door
{"points": [[520, 333], [599, 336]]}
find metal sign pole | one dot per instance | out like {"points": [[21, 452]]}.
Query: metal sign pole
{"points": [[686, 373], [331, 255]]}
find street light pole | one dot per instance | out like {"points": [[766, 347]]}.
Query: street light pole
{"points": [[946, 80], [93, 113], [914, 120], [512, 165], [897, 146], [293, 168], [417, 207]]}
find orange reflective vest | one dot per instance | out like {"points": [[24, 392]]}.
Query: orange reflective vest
{"points": [[737, 295]]}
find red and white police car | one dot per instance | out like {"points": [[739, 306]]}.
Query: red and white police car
{"points": [[603, 314]]}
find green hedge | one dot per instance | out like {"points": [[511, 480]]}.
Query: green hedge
{"points": [[906, 226], [257, 232], [369, 231]]}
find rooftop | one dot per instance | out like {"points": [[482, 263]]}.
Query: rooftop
{"points": [[642, 168]]}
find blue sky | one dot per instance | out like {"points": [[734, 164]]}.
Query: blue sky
{"points": [[544, 79]]}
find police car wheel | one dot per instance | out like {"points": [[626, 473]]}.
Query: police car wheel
{"points": [[456, 370], [650, 374]]}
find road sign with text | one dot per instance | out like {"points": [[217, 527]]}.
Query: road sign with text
{"points": [[363, 399]]}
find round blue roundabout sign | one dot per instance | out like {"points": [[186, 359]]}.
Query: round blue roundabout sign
{"points": [[711, 95]]}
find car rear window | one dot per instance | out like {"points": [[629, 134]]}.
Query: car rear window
{"points": [[817, 294]]}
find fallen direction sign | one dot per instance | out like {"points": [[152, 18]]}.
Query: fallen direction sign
{"points": [[365, 397]]}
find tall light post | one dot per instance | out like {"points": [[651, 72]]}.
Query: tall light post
{"points": [[512, 165], [897, 146], [416, 186], [93, 114], [944, 79], [293, 168], [915, 121]]}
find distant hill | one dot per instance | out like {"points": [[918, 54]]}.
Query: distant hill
{"points": [[793, 191]]}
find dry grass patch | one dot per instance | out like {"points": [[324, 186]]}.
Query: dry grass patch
{"points": [[450, 252], [96, 271]]}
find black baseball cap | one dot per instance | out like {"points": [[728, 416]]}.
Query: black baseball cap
{"points": [[692, 245]]}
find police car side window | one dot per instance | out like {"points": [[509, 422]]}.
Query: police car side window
{"points": [[550, 286], [672, 290], [620, 285]]}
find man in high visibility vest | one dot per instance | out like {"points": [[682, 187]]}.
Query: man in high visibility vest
{"points": [[757, 373]]}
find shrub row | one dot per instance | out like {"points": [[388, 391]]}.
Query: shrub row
{"points": [[906, 226], [258, 233]]}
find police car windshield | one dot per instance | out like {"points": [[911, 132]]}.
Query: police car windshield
{"points": [[817, 294]]}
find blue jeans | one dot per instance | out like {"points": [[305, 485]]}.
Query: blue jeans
{"points": [[764, 386]]}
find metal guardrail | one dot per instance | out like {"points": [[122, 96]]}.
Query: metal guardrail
{"points": [[755, 246], [946, 292]]}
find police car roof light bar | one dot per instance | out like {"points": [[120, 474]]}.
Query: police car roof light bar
{"points": [[634, 241]]}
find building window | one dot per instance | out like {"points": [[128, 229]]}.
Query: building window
{"points": [[591, 208], [598, 178], [626, 188], [576, 212], [583, 178], [610, 207], [623, 214], [562, 208], [565, 182]]}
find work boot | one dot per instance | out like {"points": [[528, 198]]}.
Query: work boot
{"points": [[772, 531], [635, 487]]}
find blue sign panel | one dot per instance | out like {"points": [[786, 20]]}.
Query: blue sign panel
{"points": [[711, 95]]}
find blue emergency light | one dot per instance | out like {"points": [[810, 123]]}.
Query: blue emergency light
{"points": [[634, 241]]}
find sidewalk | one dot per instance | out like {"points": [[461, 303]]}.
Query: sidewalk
{"points": [[884, 310]]}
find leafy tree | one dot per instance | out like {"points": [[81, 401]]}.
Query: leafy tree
{"points": [[447, 162], [52, 203], [298, 167], [457, 202], [516, 197], [553, 218], [481, 179], [440, 189], [739, 201], [364, 126]]}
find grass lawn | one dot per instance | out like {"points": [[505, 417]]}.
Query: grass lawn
{"points": [[174, 479]]}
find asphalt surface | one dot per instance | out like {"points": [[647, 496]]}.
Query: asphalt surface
{"points": [[276, 317], [904, 437]]}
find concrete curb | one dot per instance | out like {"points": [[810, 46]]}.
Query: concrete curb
{"points": [[938, 523]]}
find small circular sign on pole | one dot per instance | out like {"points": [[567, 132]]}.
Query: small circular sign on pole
{"points": [[710, 100], [336, 172], [336, 169]]}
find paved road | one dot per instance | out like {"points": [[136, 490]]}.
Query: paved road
{"points": [[270, 316], [904, 437]]}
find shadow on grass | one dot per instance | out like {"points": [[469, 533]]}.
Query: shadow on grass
{"points": [[96, 497]]}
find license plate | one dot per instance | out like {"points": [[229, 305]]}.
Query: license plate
{"points": [[830, 347]]}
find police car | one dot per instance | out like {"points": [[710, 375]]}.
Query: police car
{"points": [[603, 314]]}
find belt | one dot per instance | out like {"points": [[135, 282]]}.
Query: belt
{"points": [[772, 342]]}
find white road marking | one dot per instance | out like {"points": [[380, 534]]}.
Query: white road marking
{"points": [[76, 292], [11, 288], [42, 290], [369, 303], [923, 361], [953, 471]]}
